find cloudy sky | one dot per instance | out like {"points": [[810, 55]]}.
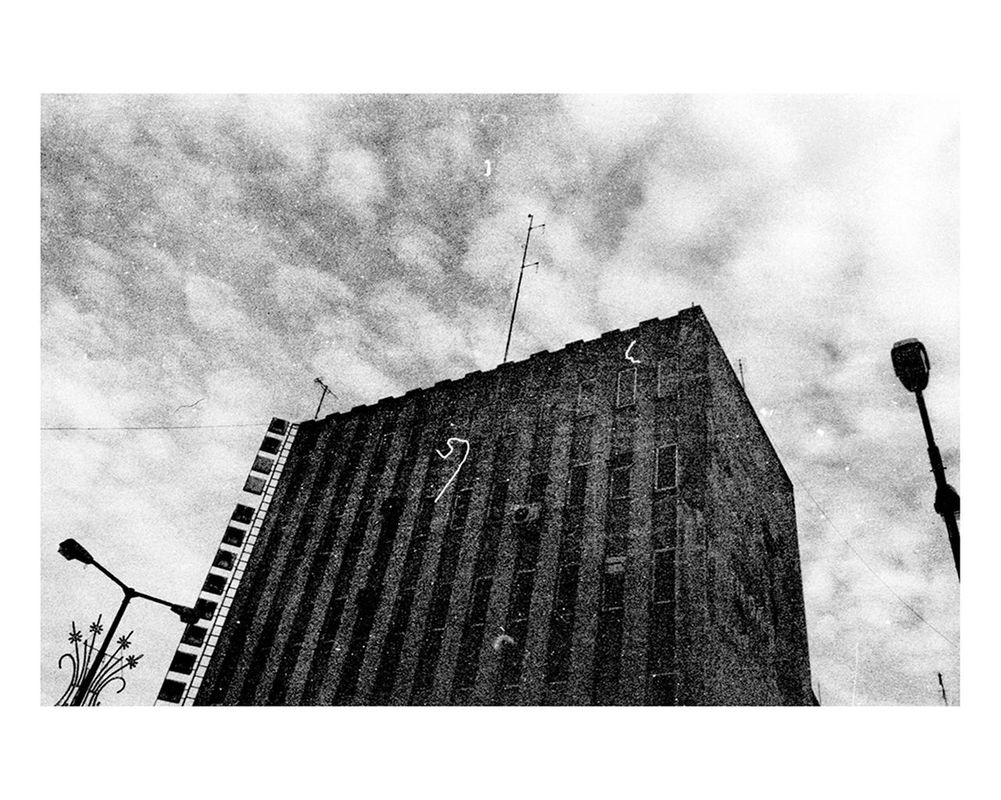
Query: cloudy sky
{"points": [[205, 258]]}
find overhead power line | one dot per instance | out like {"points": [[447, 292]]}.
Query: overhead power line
{"points": [[152, 427], [843, 538]]}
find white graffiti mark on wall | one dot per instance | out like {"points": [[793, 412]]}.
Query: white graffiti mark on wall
{"points": [[628, 350], [452, 440]]}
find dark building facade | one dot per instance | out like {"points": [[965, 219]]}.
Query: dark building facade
{"points": [[607, 524]]}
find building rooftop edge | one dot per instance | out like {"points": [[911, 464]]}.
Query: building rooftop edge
{"points": [[507, 365]]}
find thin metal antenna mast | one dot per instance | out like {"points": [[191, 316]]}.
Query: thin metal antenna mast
{"points": [[322, 396], [740, 365], [942, 686], [521, 274]]}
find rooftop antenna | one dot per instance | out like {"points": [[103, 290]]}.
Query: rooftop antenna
{"points": [[521, 274], [945, 699], [323, 396], [740, 366]]}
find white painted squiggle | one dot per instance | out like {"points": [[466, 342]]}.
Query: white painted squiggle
{"points": [[451, 449], [629, 357]]}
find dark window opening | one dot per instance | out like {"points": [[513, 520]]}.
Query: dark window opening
{"points": [[171, 691], [625, 387], [234, 536], [194, 636], [224, 559], [667, 377], [205, 608], [537, 487], [580, 442], [620, 482], [498, 500], [617, 528], [270, 445], [243, 514], [664, 576], [214, 584], [263, 464], [254, 485], [585, 398], [667, 467], [183, 663], [578, 487]]}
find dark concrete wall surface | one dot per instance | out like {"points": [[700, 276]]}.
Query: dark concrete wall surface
{"points": [[621, 532]]}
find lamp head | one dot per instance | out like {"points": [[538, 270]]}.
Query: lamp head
{"points": [[72, 550], [911, 363], [188, 615]]}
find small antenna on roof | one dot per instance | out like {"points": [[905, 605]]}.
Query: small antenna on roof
{"points": [[323, 396], [945, 699], [740, 366], [521, 274]]}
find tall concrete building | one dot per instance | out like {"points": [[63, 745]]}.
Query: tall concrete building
{"points": [[607, 524]]}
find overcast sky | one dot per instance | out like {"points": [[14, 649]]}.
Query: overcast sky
{"points": [[205, 258]]}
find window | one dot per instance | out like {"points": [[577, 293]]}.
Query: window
{"points": [[625, 388], [233, 536], [194, 636], [254, 485], [270, 445], [381, 452], [205, 608], [664, 527], [498, 499], [277, 426], [537, 487], [171, 691], [663, 576], [578, 487], [263, 464], [503, 452], [623, 430], [224, 559], [617, 530], [566, 588], [620, 482], [585, 398], [771, 544], [392, 506], [667, 467], [662, 689], [667, 377], [460, 508], [580, 443], [613, 591], [183, 663], [214, 584], [243, 514], [521, 595]]}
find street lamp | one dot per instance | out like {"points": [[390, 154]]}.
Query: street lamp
{"points": [[912, 365], [72, 550]]}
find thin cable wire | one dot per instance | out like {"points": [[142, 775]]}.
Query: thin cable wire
{"points": [[156, 427], [843, 538]]}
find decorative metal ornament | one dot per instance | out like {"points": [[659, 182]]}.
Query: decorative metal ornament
{"points": [[110, 670]]}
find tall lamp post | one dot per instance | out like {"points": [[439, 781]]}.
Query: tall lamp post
{"points": [[72, 550], [912, 365]]}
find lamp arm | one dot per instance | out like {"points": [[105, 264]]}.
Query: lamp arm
{"points": [[153, 599], [113, 577]]}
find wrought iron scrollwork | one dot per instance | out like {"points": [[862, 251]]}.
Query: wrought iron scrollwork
{"points": [[81, 657]]}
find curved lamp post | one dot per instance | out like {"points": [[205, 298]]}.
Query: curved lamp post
{"points": [[912, 365], [72, 550]]}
